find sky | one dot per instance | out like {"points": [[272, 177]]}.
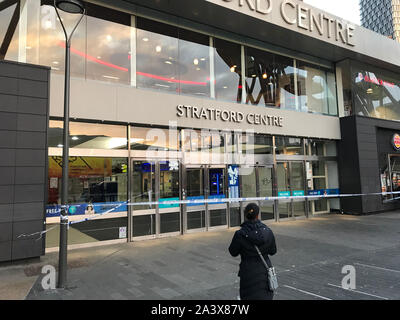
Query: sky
{"points": [[346, 9]]}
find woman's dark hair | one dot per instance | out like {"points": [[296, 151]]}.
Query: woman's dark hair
{"points": [[251, 211]]}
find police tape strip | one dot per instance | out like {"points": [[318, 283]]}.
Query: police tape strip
{"points": [[231, 200], [206, 201]]}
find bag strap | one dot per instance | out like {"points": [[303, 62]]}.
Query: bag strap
{"points": [[262, 258]]}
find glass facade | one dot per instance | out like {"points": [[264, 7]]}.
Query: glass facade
{"points": [[100, 185], [89, 136], [375, 92], [112, 46]]}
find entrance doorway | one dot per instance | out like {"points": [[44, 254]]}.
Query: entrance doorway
{"points": [[258, 182], [291, 182], [201, 183], [155, 181]]}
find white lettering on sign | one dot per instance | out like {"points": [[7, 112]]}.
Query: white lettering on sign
{"points": [[305, 18], [184, 111]]}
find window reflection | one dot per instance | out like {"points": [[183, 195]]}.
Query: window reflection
{"points": [[157, 55], [228, 71], [52, 41], [376, 92], [172, 59], [88, 135], [317, 89], [289, 146], [154, 139], [194, 63], [108, 45], [269, 79], [92, 180]]}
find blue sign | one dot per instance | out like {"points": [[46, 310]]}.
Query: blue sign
{"points": [[322, 192], [284, 194], [81, 209], [233, 181], [165, 206]]}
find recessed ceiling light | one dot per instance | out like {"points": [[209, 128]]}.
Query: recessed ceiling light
{"points": [[265, 76], [75, 138], [145, 39], [196, 62], [168, 62], [233, 68], [60, 146], [158, 48]]}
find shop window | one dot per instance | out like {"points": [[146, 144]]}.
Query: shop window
{"points": [[96, 185], [194, 63], [289, 146], [52, 41], [376, 93], [322, 148], [228, 71], [316, 89], [19, 37], [89, 136], [154, 139], [172, 59], [256, 144], [108, 45], [157, 55], [269, 79]]}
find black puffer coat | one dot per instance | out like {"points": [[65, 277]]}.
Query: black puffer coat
{"points": [[253, 273]]}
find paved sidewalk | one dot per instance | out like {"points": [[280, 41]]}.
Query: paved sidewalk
{"points": [[311, 255]]}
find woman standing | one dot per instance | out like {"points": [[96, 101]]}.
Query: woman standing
{"points": [[253, 273]]}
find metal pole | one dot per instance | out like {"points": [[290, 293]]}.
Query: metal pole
{"points": [[62, 273]]}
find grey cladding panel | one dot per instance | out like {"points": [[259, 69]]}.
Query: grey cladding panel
{"points": [[5, 251], [24, 249], [29, 157], [8, 121], [30, 175], [8, 103], [23, 158], [31, 140], [33, 88], [29, 193], [8, 85], [7, 175], [28, 211], [32, 105], [6, 212], [5, 231], [6, 194], [29, 122]]}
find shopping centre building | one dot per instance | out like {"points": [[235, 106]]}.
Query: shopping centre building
{"points": [[191, 100]]}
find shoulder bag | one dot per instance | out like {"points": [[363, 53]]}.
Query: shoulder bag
{"points": [[272, 278]]}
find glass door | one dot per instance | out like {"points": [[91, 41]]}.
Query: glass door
{"points": [[217, 212], [170, 214], [297, 187], [143, 192], [194, 189], [265, 189], [282, 172]]}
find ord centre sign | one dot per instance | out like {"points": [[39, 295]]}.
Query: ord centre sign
{"points": [[304, 17], [184, 111]]}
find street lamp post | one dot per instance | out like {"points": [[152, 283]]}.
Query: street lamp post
{"points": [[73, 7]]}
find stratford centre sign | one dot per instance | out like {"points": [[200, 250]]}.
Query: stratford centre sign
{"points": [[304, 17], [214, 114]]}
